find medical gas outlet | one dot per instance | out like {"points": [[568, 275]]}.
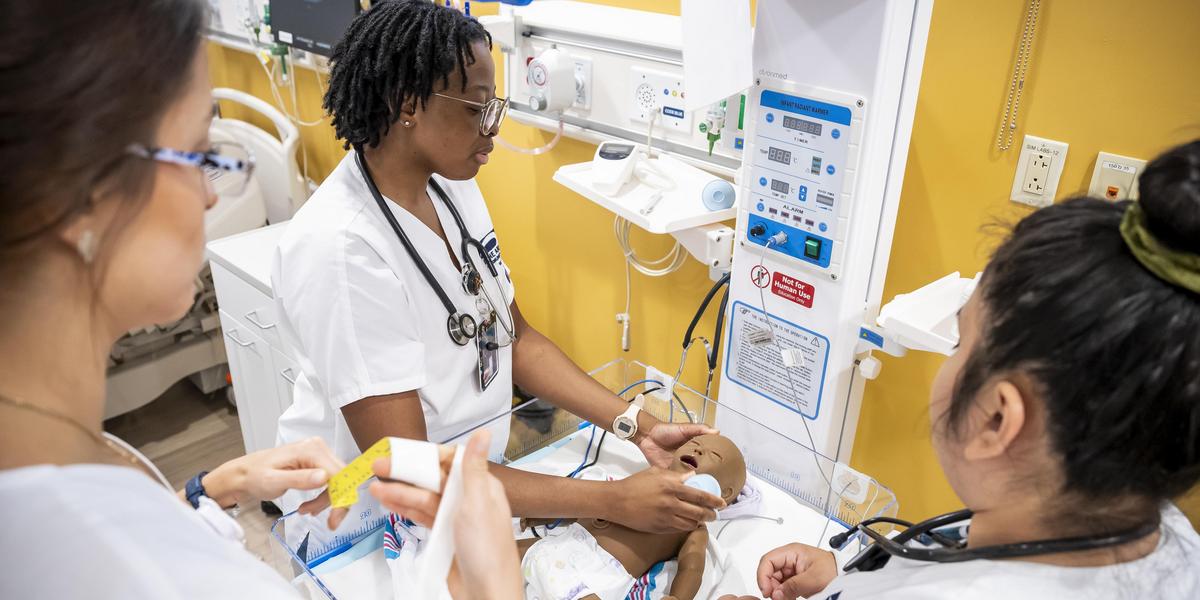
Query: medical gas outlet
{"points": [[555, 82]]}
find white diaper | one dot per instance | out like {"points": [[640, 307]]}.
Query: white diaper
{"points": [[571, 565]]}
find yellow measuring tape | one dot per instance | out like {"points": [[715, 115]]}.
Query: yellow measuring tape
{"points": [[343, 487]]}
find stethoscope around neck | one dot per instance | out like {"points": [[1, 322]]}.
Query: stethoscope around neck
{"points": [[461, 326], [876, 555]]}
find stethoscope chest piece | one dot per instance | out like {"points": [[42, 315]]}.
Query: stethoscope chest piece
{"points": [[462, 328]]}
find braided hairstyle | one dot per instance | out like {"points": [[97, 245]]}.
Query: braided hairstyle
{"points": [[391, 58]]}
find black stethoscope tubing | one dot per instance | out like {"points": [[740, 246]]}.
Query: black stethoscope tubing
{"points": [[877, 554], [462, 327]]}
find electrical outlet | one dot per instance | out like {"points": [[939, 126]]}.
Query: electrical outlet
{"points": [[1036, 174], [666, 381], [1038, 171]]}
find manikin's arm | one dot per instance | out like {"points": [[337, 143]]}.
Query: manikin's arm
{"points": [[691, 565]]}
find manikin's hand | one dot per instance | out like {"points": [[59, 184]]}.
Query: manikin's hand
{"points": [[795, 570], [663, 439], [656, 501]]}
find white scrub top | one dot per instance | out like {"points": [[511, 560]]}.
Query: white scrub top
{"points": [[1172, 571], [362, 321], [103, 531]]}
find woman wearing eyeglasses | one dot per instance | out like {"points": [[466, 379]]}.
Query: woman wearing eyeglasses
{"points": [[393, 290], [104, 123]]}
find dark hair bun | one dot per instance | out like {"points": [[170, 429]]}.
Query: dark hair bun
{"points": [[1170, 196]]}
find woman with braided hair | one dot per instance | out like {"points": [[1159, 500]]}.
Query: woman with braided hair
{"points": [[393, 291]]}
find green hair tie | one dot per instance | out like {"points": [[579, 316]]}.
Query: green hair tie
{"points": [[1177, 268]]}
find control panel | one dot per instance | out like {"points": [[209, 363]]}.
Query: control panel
{"points": [[800, 171]]}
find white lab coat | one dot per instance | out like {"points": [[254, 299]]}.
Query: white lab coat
{"points": [[102, 531], [364, 322], [1171, 572]]}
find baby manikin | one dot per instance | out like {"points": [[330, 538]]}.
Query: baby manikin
{"points": [[594, 559]]}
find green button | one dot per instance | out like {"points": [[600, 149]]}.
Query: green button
{"points": [[812, 248]]}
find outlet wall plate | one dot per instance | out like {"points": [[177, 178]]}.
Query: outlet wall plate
{"points": [[1115, 177], [1038, 171], [668, 383], [656, 92]]}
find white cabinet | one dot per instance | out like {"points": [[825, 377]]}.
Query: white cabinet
{"points": [[251, 367], [285, 378], [260, 363]]}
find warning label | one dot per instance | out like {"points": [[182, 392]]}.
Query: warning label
{"points": [[793, 289], [759, 367], [760, 276]]}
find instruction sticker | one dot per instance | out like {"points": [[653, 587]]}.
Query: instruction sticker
{"points": [[793, 289], [760, 368]]}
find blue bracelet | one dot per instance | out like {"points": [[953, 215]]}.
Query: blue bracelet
{"points": [[194, 489]]}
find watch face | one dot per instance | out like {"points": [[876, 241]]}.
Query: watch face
{"points": [[624, 428]]}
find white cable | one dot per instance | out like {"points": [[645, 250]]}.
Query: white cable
{"points": [[650, 135], [624, 318], [270, 73], [674, 259], [533, 151], [320, 82], [296, 105], [792, 384]]}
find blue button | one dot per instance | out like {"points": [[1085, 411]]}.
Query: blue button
{"points": [[738, 143], [762, 181], [770, 118], [836, 133], [829, 169], [761, 207], [666, 92], [823, 227], [804, 192]]}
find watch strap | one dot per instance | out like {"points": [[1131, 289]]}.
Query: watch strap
{"points": [[194, 489], [625, 426]]}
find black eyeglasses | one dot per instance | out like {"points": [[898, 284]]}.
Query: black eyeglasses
{"points": [[227, 167], [493, 112]]}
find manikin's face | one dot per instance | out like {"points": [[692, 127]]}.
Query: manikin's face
{"points": [[715, 455]]}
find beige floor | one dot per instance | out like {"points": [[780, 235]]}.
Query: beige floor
{"points": [[185, 432]]}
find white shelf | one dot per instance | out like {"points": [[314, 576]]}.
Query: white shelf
{"points": [[927, 319], [679, 209]]}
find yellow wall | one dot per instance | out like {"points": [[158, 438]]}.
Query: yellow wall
{"points": [[1108, 75]]}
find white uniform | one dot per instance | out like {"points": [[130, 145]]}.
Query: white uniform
{"points": [[1172, 571], [364, 322], [103, 531]]}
